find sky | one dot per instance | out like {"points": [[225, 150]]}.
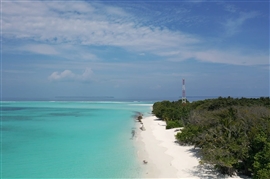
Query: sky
{"points": [[134, 49]]}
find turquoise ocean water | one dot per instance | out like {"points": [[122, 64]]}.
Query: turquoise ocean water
{"points": [[69, 139]]}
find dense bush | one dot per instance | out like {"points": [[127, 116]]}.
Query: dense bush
{"points": [[173, 124], [171, 111], [261, 164], [188, 134], [233, 134]]}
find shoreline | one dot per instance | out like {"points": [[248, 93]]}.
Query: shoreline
{"points": [[166, 158]]}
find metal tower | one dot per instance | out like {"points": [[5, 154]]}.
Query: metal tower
{"points": [[184, 99]]}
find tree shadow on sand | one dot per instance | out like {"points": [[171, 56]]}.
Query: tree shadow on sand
{"points": [[206, 171], [158, 119]]}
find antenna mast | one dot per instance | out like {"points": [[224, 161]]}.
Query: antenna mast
{"points": [[184, 99]]}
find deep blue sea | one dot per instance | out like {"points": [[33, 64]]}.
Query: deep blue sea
{"points": [[69, 139]]}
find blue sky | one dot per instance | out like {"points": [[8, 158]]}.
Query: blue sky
{"points": [[138, 49]]}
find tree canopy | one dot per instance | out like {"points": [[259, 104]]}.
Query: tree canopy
{"points": [[233, 133]]}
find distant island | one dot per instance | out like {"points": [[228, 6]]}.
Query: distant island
{"points": [[84, 97], [233, 134]]}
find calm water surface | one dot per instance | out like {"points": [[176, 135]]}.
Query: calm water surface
{"points": [[69, 139]]}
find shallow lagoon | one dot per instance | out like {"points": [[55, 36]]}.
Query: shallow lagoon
{"points": [[69, 139]]}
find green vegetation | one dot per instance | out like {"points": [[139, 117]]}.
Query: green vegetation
{"points": [[171, 111], [233, 134], [173, 124]]}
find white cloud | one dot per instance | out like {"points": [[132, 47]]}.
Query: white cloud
{"points": [[233, 25], [225, 57], [115, 11], [232, 57], [230, 8], [67, 51], [68, 75], [104, 26], [39, 49], [69, 28]]}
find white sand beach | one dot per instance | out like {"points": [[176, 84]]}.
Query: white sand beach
{"points": [[166, 158]]}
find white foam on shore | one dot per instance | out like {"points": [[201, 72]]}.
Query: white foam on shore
{"points": [[165, 157]]}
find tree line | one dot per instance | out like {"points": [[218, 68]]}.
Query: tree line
{"points": [[232, 133]]}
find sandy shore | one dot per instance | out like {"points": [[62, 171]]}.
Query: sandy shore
{"points": [[165, 158]]}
